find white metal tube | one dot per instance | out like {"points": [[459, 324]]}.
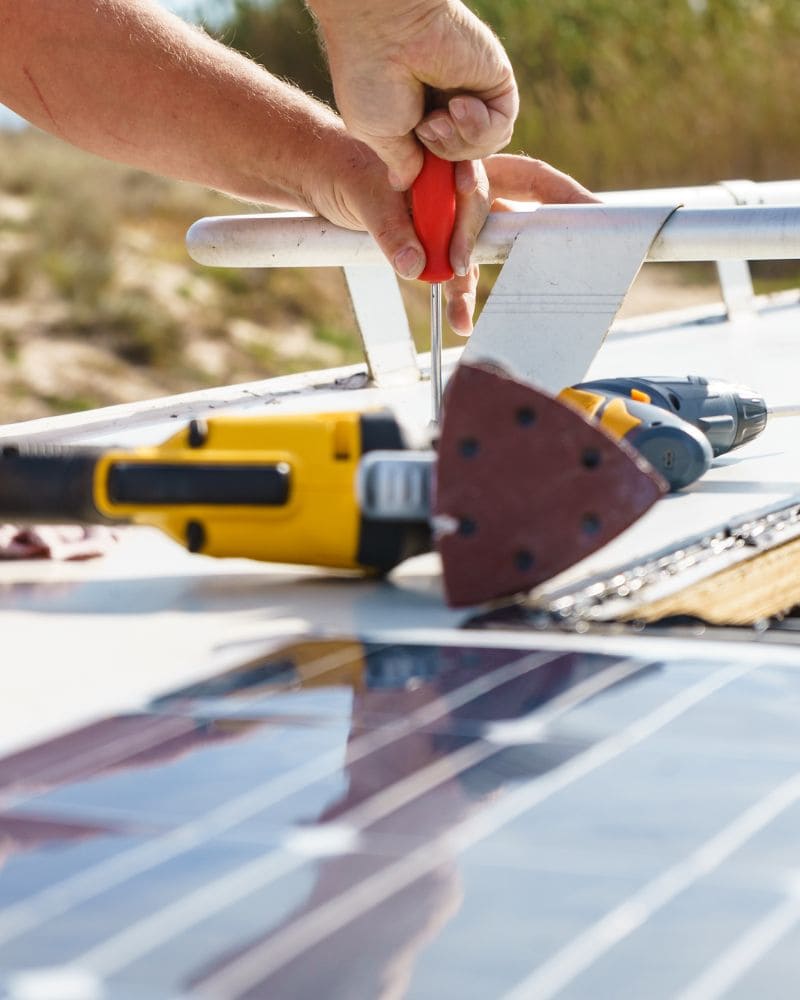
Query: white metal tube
{"points": [[745, 233], [296, 240], [720, 195]]}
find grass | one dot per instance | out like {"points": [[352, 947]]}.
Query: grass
{"points": [[344, 340], [775, 276], [9, 348], [71, 404]]}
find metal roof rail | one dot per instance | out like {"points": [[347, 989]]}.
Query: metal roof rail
{"points": [[735, 281], [566, 269]]}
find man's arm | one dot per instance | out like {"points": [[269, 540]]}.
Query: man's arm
{"points": [[129, 81]]}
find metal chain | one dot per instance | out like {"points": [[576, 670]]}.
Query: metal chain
{"points": [[628, 587]]}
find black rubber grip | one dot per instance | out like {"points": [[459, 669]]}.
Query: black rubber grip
{"points": [[150, 484], [384, 544], [48, 484]]}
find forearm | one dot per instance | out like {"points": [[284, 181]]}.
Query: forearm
{"points": [[131, 82]]}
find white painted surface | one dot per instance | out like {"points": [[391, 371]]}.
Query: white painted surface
{"points": [[383, 324], [556, 297]]}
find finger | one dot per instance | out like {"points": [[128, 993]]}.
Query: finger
{"points": [[380, 106], [469, 128], [484, 122], [473, 203], [520, 178], [401, 154], [437, 131], [460, 293], [386, 216], [355, 195]]}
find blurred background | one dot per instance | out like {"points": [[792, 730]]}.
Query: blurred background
{"points": [[99, 302]]}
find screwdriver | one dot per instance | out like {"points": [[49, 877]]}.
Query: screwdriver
{"points": [[433, 207]]}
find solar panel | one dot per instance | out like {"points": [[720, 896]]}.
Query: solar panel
{"points": [[368, 818]]}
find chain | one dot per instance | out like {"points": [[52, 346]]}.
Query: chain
{"points": [[618, 595]]}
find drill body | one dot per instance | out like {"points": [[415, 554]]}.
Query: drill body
{"points": [[679, 424]]}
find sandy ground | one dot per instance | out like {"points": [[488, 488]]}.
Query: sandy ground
{"points": [[662, 287], [49, 375]]}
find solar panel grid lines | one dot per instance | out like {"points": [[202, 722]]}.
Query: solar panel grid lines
{"points": [[745, 952], [136, 940], [607, 749], [579, 954], [98, 757], [255, 966], [229, 932], [101, 755], [533, 726], [59, 898], [139, 939]]}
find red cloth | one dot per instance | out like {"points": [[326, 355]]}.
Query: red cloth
{"points": [[55, 541]]}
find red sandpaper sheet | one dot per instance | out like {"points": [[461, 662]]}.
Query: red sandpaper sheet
{"points": [[526, 486]]}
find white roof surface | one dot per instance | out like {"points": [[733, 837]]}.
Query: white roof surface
{"points": [[82, 639]]}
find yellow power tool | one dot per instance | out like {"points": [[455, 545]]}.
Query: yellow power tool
{"points": [[277, 488], [502, 500]]}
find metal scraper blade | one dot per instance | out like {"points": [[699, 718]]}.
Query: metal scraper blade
{"points": [[526, 486]]}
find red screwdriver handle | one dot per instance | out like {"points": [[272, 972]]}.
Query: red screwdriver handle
{"points": [[433, 206]]}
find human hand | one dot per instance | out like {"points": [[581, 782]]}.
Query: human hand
{"points": [[354, 194], [385, 57]]}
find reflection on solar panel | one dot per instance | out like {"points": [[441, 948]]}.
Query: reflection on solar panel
{"points": [[364, 819]]}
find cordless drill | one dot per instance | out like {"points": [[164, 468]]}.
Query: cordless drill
{"points": [[679, 424]]}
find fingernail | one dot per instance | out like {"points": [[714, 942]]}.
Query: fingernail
{"points": [[442, 128], [408, 262], [458, 109], [426, 132], [462, 268]]}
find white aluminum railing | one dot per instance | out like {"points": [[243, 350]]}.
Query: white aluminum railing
{"points": [[691, 234], [735, 281], [722, 195], [728, 223]]}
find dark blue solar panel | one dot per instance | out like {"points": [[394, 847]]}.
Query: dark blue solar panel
{"points": [[358, 819]]}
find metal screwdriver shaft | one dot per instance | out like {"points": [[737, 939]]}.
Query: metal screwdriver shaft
{"points": [[436, 351], [433, 204]]}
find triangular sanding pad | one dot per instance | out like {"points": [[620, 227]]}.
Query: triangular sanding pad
{"points": [[526, 486]]}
